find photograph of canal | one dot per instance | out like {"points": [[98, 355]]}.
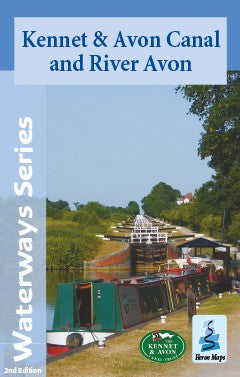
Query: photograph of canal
{"points": [[143, 213]]}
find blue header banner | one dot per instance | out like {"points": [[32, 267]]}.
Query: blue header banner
{"points": [[230, 9]]}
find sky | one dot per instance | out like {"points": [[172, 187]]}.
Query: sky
{"points": [[112, 144]]}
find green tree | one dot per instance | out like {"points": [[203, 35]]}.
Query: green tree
{"points": [[76, 205], [218, 107], [234, 228], [161, 198], [133, 208], [212, 225], [99, 209], [60, 204]]}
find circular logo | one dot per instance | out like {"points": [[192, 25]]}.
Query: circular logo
{"points": [[162, 346]]}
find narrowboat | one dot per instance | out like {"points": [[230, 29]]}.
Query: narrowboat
{"points": [[93, 310], [219, 275]]}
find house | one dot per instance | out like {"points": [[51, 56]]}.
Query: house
{"points": [[187, 198]]}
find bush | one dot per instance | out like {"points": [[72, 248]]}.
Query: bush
{"points": [[68, 245], [98, 209], [89, 221], [119, 217]]}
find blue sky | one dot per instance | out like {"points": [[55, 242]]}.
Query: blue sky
{"points": [[114, 143]]}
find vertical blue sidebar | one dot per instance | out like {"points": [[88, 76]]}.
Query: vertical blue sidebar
{"points": [[23, 228]]}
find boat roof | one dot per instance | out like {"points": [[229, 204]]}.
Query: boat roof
{"points": [[141, 279]]}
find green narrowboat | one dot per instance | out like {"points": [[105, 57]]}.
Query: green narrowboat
{"points": [[93, 310]]}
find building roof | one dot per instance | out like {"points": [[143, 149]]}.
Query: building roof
{"points": [[201, 242], [189, 195]]}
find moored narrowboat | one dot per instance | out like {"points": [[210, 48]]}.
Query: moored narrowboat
{"points": [[91, 311]]}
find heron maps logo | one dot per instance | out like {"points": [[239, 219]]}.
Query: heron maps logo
{"points": [[209, 339], [162, 346]]}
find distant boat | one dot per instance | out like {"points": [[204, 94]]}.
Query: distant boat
{"points": [[91, 311]]}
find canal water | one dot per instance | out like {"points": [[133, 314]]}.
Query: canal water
{"points": [[56, 277]]}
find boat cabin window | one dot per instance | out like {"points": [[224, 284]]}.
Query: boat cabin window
{"points": [[203, 285], [83, 305], [200, 286], [151, 301], [192, 285], [180, 292]]}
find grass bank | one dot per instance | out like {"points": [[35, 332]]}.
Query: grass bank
{"points": [[122, 358], [109, 247]]}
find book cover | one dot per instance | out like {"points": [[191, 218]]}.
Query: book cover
{"points": [[119, 189]]}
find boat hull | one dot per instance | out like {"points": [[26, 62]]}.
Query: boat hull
{"points": [[57, 340]]}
